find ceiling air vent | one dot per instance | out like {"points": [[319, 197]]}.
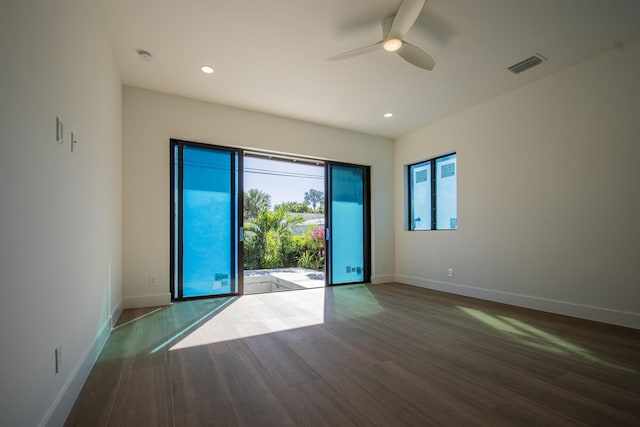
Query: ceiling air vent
{"points": [[527, 63]]}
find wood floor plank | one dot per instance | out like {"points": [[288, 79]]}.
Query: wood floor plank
{"points": [[276, 357], [360, 355], [297, 386], [101, 390], [524, 412], [350, 384], [254, 401], [197, 382], [209, 416], [617, 398], [310, 403], [143, 398], [447, 404]]}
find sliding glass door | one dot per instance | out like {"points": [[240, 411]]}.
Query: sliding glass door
{"points": [[348, 230], [205, 220], [207, 223]]}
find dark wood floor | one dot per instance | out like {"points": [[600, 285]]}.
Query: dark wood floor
{"points": [[389, 355]]}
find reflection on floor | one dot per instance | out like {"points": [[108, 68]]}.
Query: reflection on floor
{"points": [[283, 279]]}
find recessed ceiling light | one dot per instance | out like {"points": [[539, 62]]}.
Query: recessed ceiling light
{"points": [[207, 69], [388, 115], [144, 55]]}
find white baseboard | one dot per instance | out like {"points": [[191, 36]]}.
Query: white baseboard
{"points": [[66, 398], [382, 278], [116, 314], [598, 314], [152, 300]]}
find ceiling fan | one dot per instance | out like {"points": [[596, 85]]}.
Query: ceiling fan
{"points": [[394, 28]]}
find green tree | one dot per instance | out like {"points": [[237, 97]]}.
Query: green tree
{"points": [[254, 201], [314, 198], [269, 241], [295, 207]]}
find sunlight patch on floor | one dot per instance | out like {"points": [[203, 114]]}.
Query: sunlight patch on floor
{"points": [[492, 321], [136, 319], [195, 324], [252, 315], [354, 301], [537, 338]]}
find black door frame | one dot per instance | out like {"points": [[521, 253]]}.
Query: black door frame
{"points": [[366, 232], [176, 218]]}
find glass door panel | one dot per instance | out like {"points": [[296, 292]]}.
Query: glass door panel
{"points": [[446, 205], [348, 219], [205, 227], [206, 224]]}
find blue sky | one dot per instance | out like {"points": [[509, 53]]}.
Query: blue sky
{"points": [[283, 181]]}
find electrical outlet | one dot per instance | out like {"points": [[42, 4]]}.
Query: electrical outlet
{"points": [[57, 354], [450, 272], [151, 281]]}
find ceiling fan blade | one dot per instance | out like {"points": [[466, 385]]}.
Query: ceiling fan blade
{"points": [[416, 56], [356, 52], [405, 18]]}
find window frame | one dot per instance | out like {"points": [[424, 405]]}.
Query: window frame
{"points": [[409, 205]]}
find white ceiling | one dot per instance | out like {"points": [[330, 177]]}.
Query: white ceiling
{"points": [[270, 55]]}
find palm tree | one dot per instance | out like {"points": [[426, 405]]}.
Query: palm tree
{"points": [[254, 201], [283, 220], [314, 197]]}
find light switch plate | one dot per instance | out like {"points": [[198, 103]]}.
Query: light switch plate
{"points": [[59, 131]]}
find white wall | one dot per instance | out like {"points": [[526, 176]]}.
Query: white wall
{"points": [[60, 212], [150, 119], [549, 196]]}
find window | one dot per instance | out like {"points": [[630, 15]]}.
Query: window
{"points": [[433, 194]]}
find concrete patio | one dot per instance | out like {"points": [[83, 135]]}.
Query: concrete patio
{"points": [[283, 279]]}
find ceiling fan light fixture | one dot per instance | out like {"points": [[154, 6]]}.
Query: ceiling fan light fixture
{"points": [[392, 45], [394, 27]]}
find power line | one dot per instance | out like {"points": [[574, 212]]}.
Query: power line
{"points": [[256, 171], [282, 173]]}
